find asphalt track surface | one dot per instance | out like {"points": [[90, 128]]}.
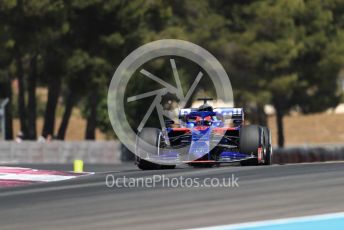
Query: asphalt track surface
{"points": [[264, 192]]}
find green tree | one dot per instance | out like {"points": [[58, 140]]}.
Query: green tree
{"points": [[278, 52], [30, 26]]}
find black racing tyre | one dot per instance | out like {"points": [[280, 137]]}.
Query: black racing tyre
{"points": [[250, 141], [267, 146], [150, 136]]}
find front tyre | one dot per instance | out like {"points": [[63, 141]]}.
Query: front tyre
{"points": [[250, 141], [150, 136]]}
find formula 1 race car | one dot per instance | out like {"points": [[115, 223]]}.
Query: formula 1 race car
{"points": [[204, 137]]}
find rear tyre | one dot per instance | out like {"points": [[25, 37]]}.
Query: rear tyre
{"points": [[268, 146], [152, 137], [250, 141]]}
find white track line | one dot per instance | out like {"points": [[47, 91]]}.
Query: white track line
{"points": [[35, 177]]}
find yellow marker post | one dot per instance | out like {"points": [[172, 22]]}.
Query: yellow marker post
{"points": [[78, 166]]}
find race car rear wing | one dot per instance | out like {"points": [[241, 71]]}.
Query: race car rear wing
{"points": [[235, 114]]}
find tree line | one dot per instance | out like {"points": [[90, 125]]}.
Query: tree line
{"points": [[287, 53]]}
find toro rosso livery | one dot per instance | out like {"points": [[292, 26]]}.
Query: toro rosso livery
{"points": [[204, 137]]}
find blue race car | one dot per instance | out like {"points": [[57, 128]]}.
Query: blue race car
{"points": [[204, 137]]}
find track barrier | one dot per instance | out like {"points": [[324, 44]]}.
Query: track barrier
{"points": [[109, 152], [304, 154]]}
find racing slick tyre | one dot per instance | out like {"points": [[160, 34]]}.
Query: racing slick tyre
{"points": [[250, 141], [268, 146], [150, 136]]}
